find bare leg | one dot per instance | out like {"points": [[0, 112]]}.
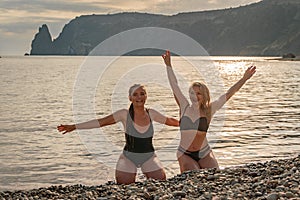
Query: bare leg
{"points": [[209, 161], [125, 171], [186, 163], [153, 168]]}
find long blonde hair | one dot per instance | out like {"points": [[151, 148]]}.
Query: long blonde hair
{"points": [[205, 106]]}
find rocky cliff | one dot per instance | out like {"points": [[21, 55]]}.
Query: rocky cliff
{"points": [[42, 43], [269, 27]]}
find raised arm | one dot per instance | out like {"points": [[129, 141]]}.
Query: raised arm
{"points": [[216, 105], [96, 123], [158, 117], [180, 98]]}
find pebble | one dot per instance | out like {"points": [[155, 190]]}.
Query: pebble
{"points": [[179, 194], [272, 180], [273, 196]]}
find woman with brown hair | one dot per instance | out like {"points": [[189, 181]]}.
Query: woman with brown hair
{"points": [[138, 151]]}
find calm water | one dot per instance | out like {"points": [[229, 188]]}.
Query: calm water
{"points": [[261, 122]]}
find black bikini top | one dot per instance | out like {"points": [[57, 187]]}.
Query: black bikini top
{"points": [[200, 124]]}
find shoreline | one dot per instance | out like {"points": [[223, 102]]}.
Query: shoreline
{"points": [[274, 179], [285, 59]]}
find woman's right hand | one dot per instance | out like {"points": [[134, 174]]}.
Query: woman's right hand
{"points": [[167, 58], [249, 72], [66, 128]]}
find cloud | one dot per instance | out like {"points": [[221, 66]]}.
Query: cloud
{"points": [[177, 6], [40, 6], [106, 6]]}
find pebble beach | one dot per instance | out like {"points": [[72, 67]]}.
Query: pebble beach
{"points": [[271, 180]]}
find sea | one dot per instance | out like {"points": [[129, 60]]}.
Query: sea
{"points": [[259, 123]]}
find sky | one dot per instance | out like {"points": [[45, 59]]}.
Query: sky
{"points": [[21, 19]]}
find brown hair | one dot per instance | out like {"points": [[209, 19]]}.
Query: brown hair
{"points": [[130, 92]]}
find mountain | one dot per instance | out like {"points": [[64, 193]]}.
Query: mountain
{"points": [[266, 28]]}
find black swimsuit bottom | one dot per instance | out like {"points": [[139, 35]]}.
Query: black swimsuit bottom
{"points": [[196, 155]]}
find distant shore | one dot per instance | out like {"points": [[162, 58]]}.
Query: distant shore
{"points": [[275, 179], [290, 59], [285, 59]]}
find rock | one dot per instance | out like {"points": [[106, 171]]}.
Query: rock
{"points": [[179, 194], [289, 55], [151, 189], [289, 195], [42, 42], [273, 196], [211, 177]]}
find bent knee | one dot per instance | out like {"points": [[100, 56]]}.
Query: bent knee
{"points": [[125, 178], [187, 166], [158, 175], [209, 161]]}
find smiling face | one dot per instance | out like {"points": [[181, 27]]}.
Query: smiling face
{"points": [[196, 95], [138, 95], [199, 94]]}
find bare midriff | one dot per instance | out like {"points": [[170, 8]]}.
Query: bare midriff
{"points": [[193, 140]]}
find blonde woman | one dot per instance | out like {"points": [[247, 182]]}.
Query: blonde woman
{"points": [[138, 151], [194, 151]]}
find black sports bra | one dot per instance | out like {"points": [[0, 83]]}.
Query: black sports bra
{"points": [[200, 124]]}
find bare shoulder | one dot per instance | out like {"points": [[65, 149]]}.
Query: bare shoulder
{"points": [[122, 111], [120, 115], [156, 115], [152, 111]]}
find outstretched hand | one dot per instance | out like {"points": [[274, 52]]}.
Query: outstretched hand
{"points": [[167, 58], [66, 128], [249, 72]]}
